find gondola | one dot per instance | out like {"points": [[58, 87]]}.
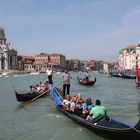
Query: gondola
{"points": [[102, 125], [128, 76], [29, 96], [112, 74], [86, 82]]}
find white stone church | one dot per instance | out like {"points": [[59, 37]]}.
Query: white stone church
{"points": [[8, 55]]}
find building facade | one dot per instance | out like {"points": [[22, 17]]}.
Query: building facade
{"points": [[25, 63], [41, 61], [57, 61], [8, 55], [127, 57], [44, 60]]}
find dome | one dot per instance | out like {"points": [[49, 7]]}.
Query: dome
{"points": [[2, 34]]}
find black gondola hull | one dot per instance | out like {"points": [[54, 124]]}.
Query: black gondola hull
{"points": [[125, 76], [103, 126], [27, 96], [112, 134]]}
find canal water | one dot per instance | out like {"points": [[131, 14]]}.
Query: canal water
{"points": [[40, 120]]}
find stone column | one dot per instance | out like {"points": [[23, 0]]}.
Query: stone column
{"points": [[0, 62], [14, 61], [6, 60]]}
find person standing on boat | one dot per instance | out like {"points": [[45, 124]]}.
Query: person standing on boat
{"points": [[49, 73], [66, 82], [87, 76]]}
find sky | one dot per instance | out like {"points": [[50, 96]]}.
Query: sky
{"points": [[79, 29]]}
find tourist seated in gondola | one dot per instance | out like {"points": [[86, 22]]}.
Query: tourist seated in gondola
{"points": [[87, 105], [79, 98], [78, 108], [66, 103], [38, 88], [96, 111], [73, 104], [43, 86], [90, 104], [32, 89], [76, 105]]}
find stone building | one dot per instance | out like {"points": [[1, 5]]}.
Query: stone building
{"points": [[90, 64], [57, 61], [25, 63], [8, 55], [44, 60], [41, 62], [127, 57]]}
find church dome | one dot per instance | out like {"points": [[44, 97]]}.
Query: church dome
{"points": [[2, 34]]}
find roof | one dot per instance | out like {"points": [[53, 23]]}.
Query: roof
{"points": [[132, 46], [41, 54]]}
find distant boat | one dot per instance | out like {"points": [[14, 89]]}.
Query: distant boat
{"points": [[86, 82], [113, 74], [57, 73], [6, 74], [16, 75], [128, 76], [35, 73]]}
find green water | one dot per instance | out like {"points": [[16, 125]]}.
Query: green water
{"points": [[41, 120]]}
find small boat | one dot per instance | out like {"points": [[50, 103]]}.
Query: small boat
{"points": [[5, 74], [29, 96], [113, 74], [86, 82], [122, 75], [102, 125], [128, 76], [35, 73]]}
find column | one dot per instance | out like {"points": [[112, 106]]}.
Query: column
{"points": [[0, 62], [6, 60]]}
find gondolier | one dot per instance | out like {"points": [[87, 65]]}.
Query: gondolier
{"points": [[49, 73], [66, 82], [87, 76]]}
